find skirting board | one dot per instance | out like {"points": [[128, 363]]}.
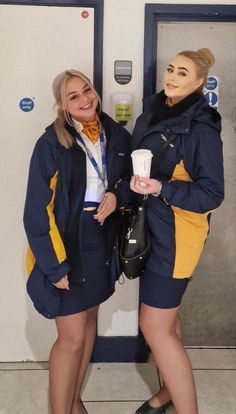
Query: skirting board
{"points": [[120, 349]]}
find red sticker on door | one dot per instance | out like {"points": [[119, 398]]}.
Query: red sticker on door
{"points": [[85, 14]]}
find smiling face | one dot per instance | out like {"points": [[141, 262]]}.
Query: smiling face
{"points": [[81, 100], [180, 78]]}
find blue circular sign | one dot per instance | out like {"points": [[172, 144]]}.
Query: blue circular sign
{"points": [[26, 104], [212, 98], [211, 83]]}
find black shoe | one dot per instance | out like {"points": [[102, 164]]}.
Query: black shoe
{"points": [[147, 409]]}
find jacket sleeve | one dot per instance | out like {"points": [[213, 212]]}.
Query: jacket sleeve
{"points": [[204, 163], [39, 221], [121, 187]]}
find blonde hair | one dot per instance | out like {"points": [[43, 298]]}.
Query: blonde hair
{"points": [[203, 59], [63, 116]]}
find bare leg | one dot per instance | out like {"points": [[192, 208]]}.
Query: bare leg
{"points": [[159, 328], [77, 407], [64, 361], [163, 395]]}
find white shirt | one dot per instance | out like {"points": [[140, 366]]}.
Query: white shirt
{"points": [[94, 186]]}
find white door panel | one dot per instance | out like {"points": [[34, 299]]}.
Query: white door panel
{"points": [[36, 43], [212, 292]]}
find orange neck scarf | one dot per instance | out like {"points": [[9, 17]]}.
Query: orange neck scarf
{"points": [[169, 102], [91, 130]]}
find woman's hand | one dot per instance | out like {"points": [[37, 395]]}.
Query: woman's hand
{"points": [[144, 185], [63, 283], [106, 207]]}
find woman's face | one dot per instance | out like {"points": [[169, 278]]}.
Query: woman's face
{"points": [[180, 78], [81, 100]]}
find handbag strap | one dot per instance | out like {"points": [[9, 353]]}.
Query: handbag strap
{"points": [[166, 144], [163, 148]]}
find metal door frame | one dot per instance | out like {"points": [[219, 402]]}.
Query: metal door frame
{"points": [[98, 6], [157, 13]]}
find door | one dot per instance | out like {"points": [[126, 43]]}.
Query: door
{"points": [[208, 309], [37, 42]]}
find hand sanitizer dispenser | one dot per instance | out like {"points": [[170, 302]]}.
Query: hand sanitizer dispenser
{"points": [[122, 108]]}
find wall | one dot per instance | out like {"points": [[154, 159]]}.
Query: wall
{"points": [[25, 335]]}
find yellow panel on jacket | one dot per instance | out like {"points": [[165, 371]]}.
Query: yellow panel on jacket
{"points": [[55, 236], [191, 230]]}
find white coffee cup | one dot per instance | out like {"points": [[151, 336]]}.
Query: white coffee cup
{"points": [[141, 160]]}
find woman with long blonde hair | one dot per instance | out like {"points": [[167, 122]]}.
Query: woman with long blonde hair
{"points": [[78, 179]]}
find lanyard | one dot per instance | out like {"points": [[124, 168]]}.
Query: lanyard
{"points": [[102, 174]]}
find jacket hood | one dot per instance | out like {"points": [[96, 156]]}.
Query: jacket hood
{"points": [[194, 108], [205, 114]]}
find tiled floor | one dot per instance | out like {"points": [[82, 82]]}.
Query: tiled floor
{"points": [[121, 388]]}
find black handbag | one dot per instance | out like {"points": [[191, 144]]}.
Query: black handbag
{"points": [[134, 246], [134, 241]]}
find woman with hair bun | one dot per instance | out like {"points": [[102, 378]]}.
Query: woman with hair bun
{"points": [[186, 184], [78, 179]]}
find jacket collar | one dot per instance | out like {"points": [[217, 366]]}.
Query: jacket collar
{"points": [[106, 123], [174, 120], [161, 111]]}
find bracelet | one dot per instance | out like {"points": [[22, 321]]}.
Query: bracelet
{"points": [[158, 192]]}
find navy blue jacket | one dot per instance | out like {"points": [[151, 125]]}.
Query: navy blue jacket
{"points": [[191, 171], [53, 234]]}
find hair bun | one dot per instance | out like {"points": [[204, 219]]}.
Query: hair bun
{"points": [[207, 55]]}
